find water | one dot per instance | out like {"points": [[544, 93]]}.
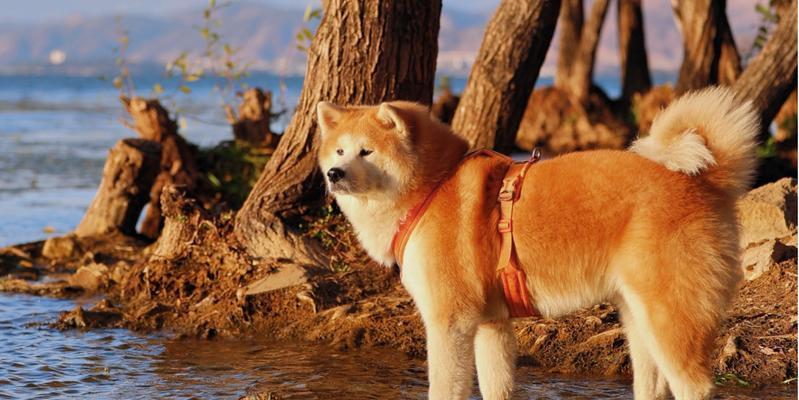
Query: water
{"points": [[55, 133]]}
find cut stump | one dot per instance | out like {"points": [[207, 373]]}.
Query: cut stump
{"points": [[128, 174]]}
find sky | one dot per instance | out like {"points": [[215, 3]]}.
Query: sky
{"points": [[32, 11]]}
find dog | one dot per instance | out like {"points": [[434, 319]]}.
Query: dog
{"points": [[652, 230]]}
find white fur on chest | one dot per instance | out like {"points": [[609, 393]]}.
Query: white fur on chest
{"points": [[375, 223]]}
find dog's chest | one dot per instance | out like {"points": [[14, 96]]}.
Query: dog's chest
{"points": [[375, 224]]}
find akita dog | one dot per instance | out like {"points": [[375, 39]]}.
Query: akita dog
{"points": [[652, 230]]}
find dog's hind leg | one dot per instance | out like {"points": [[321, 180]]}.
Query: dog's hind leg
{"points": [[450, 358], [679, 345], [648, 382], [495, 355]]}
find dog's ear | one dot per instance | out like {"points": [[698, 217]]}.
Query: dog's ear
{"points": [[328, 115], [393, 118]]}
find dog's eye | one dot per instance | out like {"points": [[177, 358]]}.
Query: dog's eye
{"points": [[340, 152], [364, 152]]}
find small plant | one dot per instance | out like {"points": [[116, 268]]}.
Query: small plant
{"points": [[769, 19], [123, 81], [731, 380], [329, 226], [304, 36], [232, 168]]}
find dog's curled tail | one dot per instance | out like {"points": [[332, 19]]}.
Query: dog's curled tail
{"points": [[708, 133]]}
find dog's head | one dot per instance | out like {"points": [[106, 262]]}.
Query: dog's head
{"points": [[372, 151]]}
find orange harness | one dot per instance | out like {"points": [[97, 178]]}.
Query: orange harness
{"points": [[512, 276]]}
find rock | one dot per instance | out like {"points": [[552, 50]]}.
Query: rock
{"points": [[73, 319], [758, 258], [118, 272], [592, 321], [102, 315], [606, 338], [768, 212], [287, 275], [90, 277], [59, 248], [729, 351], [261, 396]]}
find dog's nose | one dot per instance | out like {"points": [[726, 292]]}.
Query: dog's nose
{"points": [[335, 174]]}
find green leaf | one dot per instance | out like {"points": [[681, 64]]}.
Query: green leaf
{"points": [[193, 77], [307, 33], [301, 48], [228, 50], [158, 89], [117, 82], [308, 11], [185, 89], [214, 180]]}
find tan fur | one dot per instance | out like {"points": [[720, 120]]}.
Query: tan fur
{"points": [[654, 233]]}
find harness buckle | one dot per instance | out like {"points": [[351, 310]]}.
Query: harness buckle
{"points": [[508, 191], [504, 226]]}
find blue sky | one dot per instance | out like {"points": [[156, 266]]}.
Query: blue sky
{"points": [[27, 11]]}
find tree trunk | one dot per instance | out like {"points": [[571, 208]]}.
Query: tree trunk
{"points": [[151, 120], [635, 76], [364, 52], [128, 173], [570, 28], [729, 58], [504, 73], [583, 68], [709, 52], [771, 76], [252, 124]]}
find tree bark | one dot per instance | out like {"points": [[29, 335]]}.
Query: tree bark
{"points": [[364, 52], [635, 77], [504, 73], [151, 120], [709, 52], [252, 124], [771, 76], [583, 68], [570, 28], [128, 174]]}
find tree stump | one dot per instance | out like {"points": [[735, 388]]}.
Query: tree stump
{"points": [[444, 107], [253, 122], [152, 121], [128, 174], [183, 217]]}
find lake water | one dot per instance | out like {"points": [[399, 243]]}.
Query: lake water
{"points": [[55, 133]]}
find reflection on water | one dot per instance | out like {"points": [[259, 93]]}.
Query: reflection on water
{"points": [[38, 362]]}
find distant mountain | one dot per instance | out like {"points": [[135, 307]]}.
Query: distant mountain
{"points": [[266, 37]]}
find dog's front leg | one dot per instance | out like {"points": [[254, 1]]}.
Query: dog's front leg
{"points": [[450, 359], [495, 353]]}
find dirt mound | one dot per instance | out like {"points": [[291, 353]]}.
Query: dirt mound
{"points": [[557, 124], [648, 105]]}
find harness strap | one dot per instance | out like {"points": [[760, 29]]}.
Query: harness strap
{"points": [[408, 223], [514, 279]]}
